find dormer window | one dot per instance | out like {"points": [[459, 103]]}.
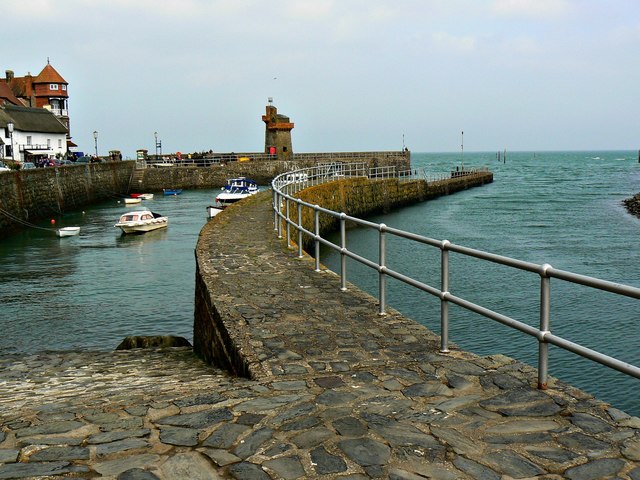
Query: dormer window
{"points": [[53, 86], [64, 87]]}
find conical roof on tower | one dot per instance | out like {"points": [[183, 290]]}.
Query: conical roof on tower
{"points": [[49, 75]]}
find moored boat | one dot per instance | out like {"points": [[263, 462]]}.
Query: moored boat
{"points": [[236, 189], [143, 196], [68, 231], [132, 201], [172, 191], [141, 221], [213, 211]]}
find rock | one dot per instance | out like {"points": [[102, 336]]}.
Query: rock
{"points": [[633, 205], [153, 341]]}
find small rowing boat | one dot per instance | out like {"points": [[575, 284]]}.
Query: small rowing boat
{"points": [[68, 231]]}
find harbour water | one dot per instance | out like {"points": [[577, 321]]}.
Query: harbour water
{"points": [[89, 292]]}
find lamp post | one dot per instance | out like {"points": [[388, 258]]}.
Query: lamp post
{"points": [[158, 144], [10, 128], [95, 141]]}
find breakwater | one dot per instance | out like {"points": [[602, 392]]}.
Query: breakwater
{"points": [[216, 337]]}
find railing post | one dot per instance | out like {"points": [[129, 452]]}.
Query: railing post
{"points": [[288, 225], [279, 207], [275, 209], [299, 229], [382, 278], [444, 304], [316, 231], [545, 313], [343, 256]]}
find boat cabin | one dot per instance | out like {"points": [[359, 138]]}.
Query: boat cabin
{"points": [[136, 216]]}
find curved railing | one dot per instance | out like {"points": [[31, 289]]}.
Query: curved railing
{"points": [[287, 184]]}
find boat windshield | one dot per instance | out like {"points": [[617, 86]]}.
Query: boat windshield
{"points": [[128, 218]]}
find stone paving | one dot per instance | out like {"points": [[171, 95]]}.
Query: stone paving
{"points": [[339, 392]]}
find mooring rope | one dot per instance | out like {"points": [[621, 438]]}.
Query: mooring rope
{"points": [[24, 222]]}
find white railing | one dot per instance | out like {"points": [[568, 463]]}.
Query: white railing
{"points": [[285, 185]]}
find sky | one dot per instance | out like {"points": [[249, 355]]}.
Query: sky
{"points": [[353, 75]]}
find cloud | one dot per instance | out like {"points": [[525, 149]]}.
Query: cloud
{"points": [[537, 9], [453, 43], [310, 9]]}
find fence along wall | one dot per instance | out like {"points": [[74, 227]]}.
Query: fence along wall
{"points": [[360, 197]]}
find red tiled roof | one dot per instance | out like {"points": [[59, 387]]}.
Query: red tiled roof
{"points": [[49, 75], [19, 86], [6, 95]]}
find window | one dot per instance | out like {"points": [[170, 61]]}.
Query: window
{"points": [[48, 143], [28, 139], [59, 143], [64, 87], [53, 86]]}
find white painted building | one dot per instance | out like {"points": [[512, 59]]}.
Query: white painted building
{"points": [[31, 134]]}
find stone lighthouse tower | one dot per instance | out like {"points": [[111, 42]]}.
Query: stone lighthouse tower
{"points": [[277, 135]]}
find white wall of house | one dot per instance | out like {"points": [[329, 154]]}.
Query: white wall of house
{"points": [[49, 144], [6, 140]]}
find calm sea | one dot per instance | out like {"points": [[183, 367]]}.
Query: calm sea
{"points": [[89, 292]]}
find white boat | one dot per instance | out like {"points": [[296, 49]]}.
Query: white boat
{"points": [[132, 201], [68, 231], [213, 211], [143, 196], [236, 189], [141, 221]]}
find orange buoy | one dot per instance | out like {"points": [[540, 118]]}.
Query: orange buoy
{"points": [[53, 221]]}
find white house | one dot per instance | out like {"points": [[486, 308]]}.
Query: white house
{"points": [[31, 134]]}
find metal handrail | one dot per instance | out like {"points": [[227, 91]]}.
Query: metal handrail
{"points": [[287, 184]]}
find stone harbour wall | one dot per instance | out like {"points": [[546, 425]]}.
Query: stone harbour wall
{"points": [[31, 195], [262, 171], [36, 194]]}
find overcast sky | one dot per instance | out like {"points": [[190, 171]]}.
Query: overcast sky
{"points": [[353, 75]]}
